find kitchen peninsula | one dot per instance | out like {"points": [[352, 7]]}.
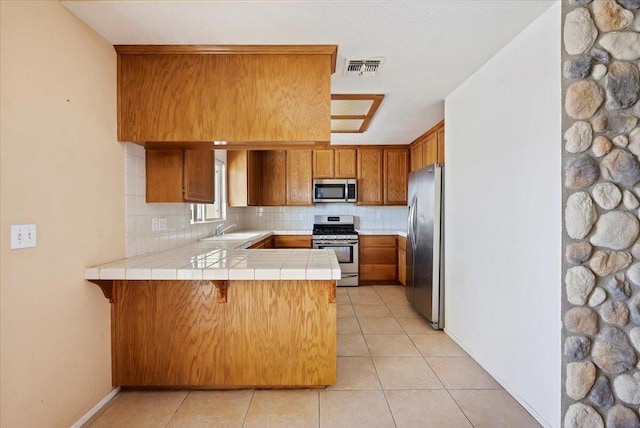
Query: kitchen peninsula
{"points": [[216, 314]]}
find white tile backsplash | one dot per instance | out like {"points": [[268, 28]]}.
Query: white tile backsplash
{"points": [[301, 218], [141, 240]]}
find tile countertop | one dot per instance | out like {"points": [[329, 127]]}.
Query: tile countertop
{"points": [[223, 259], [381, 232]]}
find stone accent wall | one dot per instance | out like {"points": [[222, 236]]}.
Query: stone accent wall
{"points": [[601, 284]]}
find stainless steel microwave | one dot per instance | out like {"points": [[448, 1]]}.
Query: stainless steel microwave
{"points": [[335, 190]]}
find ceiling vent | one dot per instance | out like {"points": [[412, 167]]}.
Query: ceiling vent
{"points": [[363, 67]]}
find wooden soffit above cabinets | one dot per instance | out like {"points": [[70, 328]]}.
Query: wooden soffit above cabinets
{"points": [[225, 96]]}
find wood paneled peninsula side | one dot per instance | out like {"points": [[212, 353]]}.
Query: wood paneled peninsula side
{"points": [[216, 314]]}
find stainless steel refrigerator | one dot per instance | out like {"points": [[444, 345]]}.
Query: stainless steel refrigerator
{"points": [[425, 285]]}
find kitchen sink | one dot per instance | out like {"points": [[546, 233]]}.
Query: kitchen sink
{"points": [[239, 236]]}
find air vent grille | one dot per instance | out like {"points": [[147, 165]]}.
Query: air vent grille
{"points": [[363, 67]]}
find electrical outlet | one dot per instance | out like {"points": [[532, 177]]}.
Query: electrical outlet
{"points": [[162, 223], [154, 224], [378, 216], [23, 236]]}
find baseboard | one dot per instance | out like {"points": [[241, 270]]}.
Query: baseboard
{"points": [[542, 421], [95, 409]]}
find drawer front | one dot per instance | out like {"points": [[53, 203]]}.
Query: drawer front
{"points": [[383, 256], [378, 272], [292, 241], [378, 241]]}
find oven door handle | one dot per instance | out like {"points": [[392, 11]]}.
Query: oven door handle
{"points": [[350, 275], [335, 242]]}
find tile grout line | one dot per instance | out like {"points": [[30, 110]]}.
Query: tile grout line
{"points": [[384, 391], [178, 408], [375, 367], [319, 419], [428, 365], [458, 406], [246, 413], [92, 422]]}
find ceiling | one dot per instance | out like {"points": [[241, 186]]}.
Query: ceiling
{"points": [[430, 46]]}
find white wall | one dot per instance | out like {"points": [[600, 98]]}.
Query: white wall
{"points": [[60, 168], [503, 217]]}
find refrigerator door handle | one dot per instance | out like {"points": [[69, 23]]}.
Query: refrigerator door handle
{"points": [[409, 222], [412, 221]]}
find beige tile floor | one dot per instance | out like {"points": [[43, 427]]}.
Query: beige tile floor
{"points": [[393, 371]]}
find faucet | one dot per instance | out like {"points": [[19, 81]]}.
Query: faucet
{"points": [[220, 231]]}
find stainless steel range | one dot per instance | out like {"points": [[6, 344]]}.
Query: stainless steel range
{"points": [[338, 233]]}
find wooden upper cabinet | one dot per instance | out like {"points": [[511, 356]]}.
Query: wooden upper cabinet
{"points": [[336, 163], [299, 178], [268, 177], [323, 163], [177, 175], [430, 149], [199, 175], [243, 178], [416, 156], [254, 176], [441, 145], [396, 165], [345, 163], [370, 186], [194, 93], [273, 180]]}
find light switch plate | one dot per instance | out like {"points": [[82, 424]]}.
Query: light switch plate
{"points": [[154, 224], [23, 236]]}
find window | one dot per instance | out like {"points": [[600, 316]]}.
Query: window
{"points": [[218, 210]]}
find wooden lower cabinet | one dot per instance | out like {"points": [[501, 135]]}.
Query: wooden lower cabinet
{"points": [[180, 334], [292, 241], [378, 259], [402, 260], [266, 243]]}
